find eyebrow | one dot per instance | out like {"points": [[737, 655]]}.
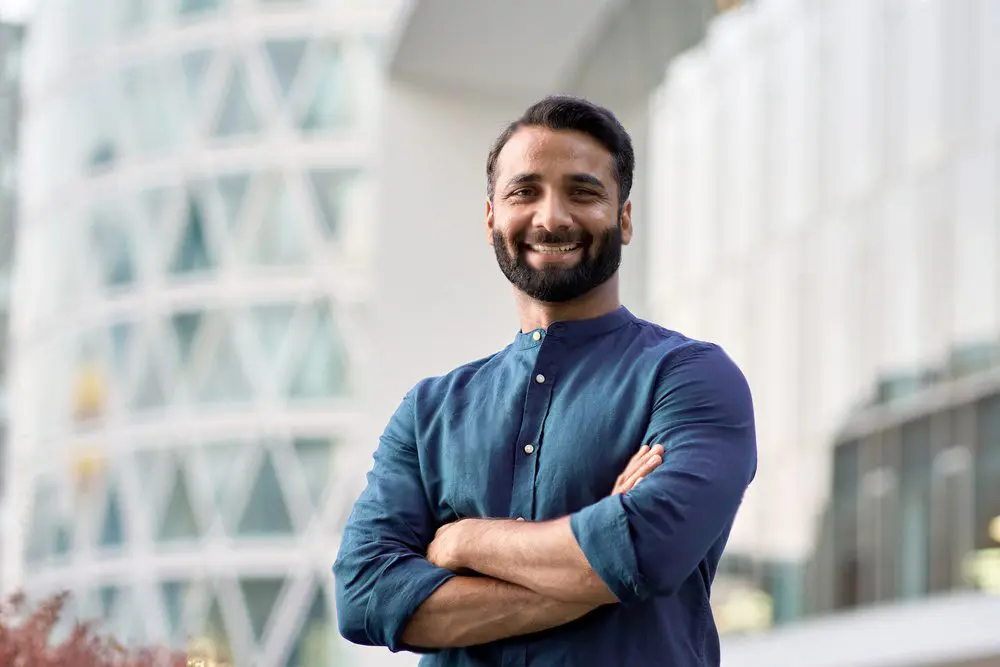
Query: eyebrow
{"points": [[580, 179]]}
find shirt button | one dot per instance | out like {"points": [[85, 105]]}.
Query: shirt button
{"points": [[540, 379], [537, 335], [529, 448]]}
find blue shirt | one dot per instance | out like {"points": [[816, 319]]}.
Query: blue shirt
{"points": [[585, 395]]}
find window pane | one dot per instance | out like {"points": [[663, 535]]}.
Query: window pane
{"points": [[179, 522], [112, 246], [285, 59], [192, 253], [279, 240], [316, 644], [316, 457], [329, 189], [914, 543], [111, 526], [266, 512], [237, 115], [259, 595], [322, 369], [199, 6], [331, 104], [987, 470], [845, 524]]}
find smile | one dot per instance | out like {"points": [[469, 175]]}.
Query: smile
{"points": [[554, 249]]}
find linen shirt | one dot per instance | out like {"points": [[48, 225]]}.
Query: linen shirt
{"points": [[541, 430]]}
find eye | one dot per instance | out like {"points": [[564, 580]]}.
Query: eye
{"points": [[521, 192]]}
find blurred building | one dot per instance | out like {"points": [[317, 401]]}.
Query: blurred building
{"points": [[190, 322], [827, 204], [11, 37]]}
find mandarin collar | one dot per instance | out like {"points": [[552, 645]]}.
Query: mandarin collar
{"points": [[572, 329]]}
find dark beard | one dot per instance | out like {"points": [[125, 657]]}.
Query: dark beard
{"points": [[557, 285]]}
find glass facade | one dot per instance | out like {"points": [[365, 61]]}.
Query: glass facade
{"points": [[914, 505], [11, 37], [197, 175]]}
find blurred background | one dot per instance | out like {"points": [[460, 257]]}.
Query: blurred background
{"points": [[234, 232]]}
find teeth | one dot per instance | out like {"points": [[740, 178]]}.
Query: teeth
{"points": [[553, 249]]}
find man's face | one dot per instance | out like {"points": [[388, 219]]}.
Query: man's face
{"points": [[555, 221]]}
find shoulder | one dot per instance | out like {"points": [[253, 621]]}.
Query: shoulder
{"points": [[680, 358], [435, 389]]}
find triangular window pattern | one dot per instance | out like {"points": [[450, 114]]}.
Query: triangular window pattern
{"points": [[232, 188], [179, 522], [199, 6], [285, 58], [185, 326], [120, 338], [150, 390], [113, 249], [220, 460], [322, 370], [279, 240], [219, 648], [111, 523], [194, 66], [316, 642], [149, 465], [330, 187], [266, 512], [259, 595], [272, 323], [192, 253], [331, 105], [315, 456], [175, 601], [227, 381], [237, 115]]}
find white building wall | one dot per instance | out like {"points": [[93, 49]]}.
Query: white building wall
{"points": [[828, 179]]}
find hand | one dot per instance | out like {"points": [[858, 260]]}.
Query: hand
{"points": [[445, 549], [643, 463]]}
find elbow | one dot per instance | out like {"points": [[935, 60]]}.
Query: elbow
{"points": [[352, 622], [351, 625]]}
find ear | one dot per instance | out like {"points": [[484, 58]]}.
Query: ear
{"points": [[489, 221], [626, 222]]}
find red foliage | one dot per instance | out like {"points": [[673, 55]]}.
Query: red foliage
{"points": [[28, 644]]}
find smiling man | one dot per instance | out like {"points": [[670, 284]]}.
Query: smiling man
{"points": [[504, 522]]}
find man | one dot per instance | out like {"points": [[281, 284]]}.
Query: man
{"points": [[566, 500]]}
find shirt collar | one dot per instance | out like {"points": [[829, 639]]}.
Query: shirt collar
{"points": [[572, 329]]}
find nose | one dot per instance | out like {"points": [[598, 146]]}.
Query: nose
{"points": [[552, 213]]}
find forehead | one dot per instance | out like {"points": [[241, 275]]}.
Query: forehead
{"points": [[553, 154]]}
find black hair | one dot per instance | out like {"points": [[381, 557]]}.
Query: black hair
{"points": [[560, 112]]}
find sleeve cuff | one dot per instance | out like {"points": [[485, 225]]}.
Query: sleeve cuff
{"points": [[396, 598], [602, 531]]}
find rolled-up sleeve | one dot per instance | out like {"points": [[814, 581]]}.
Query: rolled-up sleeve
{"points": [[381, 574], [649, 540]]}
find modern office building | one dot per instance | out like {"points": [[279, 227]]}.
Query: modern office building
{"points": [[11, 38], [827, 204], [189, 326]]}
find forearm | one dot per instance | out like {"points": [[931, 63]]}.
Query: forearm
{"points": [[466, 611], [543, 557]]}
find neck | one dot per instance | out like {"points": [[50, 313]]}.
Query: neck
{"points": [[535, 314]]}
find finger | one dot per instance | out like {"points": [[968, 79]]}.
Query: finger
{"points": [[634, 462], [649, 465]]}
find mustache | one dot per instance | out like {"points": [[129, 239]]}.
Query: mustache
{"points": [[555, 238]]}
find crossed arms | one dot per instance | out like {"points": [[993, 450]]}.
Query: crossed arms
{"points": [[405, 583]]}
